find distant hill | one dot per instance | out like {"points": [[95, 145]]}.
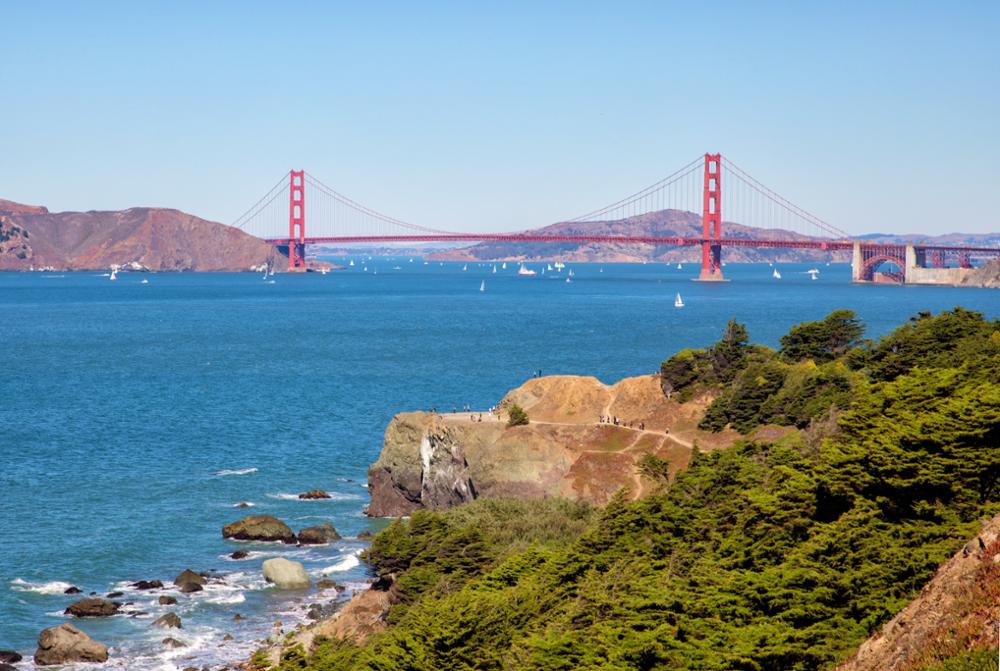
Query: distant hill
{"points": [[672, 223], [155, 238]]}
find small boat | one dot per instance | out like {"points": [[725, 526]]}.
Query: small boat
{"points": [[680, 267], [568, 280], [324, 271], [776, 275], [549, 267], [813, 271], [351, 263], [601, 270], [465, 267], [678, 303], [494, 268], [559, 265], [396, 268], [813, 276], [411, 260], [114, 274], [571, 273], [144, 281], [504, 266], [525, 271], [482, 286]]}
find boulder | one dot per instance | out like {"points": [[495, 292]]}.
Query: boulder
{"points": [[242, 504], [188, 587], [326, 583], [318, 535], [148, 584], [239, 554], [365, 536], [73, 590], [171, 642], [66, 644], [169, 620], [7, 667], [114, 595], [187, 575], [167, 600], [92, 608], [9, 657], [259, 528], [286, 574], [314, 494]]}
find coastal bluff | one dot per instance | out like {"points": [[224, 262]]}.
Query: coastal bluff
{"points": [[434, 461]]}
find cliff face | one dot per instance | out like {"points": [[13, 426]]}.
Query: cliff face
{"points": [[956, 611], [988, 276], [436, 461], [158, 239]]}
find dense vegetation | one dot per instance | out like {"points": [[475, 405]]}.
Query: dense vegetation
{"points": [[760, 557], [516, 416]]}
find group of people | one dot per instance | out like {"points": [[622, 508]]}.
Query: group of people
{"points": [[621, 422]]}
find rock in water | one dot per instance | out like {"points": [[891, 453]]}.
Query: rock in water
{"points": [[314, 494], [286, 574], [187, 575], [167, 600], [259, 528], [170, 620], [188, 587], [148, 584], [173, 643], [66, 644], [323, 533], [9, 657], [72, 590], [92, 608], [239, 554]]}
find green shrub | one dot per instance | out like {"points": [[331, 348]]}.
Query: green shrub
{"points": [[516, 416]]}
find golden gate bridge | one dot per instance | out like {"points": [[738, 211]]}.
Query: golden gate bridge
{"points": [[697, 186]]}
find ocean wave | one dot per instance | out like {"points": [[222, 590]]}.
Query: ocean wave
{"points": [[334, 496], [345, 564], [240, 471], [226, 599], [53, 587]]}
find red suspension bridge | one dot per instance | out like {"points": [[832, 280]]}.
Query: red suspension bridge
{"points": [[697, 186]]}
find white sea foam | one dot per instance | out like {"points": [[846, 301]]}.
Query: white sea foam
{"points": [[225, 599], [334, 496], [240, 471], [54, 587], [345, 564]]}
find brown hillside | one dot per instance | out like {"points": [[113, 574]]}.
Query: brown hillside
{"points": [[156, 238]]}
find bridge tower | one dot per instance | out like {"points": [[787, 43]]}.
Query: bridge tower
{"points": [[296, 220], [711, 221]]}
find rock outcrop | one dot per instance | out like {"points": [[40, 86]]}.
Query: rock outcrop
{"points": [[259, 528], [314, 494], [66, 644], [988, 276], [93, 608], [436, 461], [286, 574], [324, 533], [956, 610], [168, 621]]}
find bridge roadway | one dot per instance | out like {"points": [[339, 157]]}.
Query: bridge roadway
{"points": [[826, 245]]}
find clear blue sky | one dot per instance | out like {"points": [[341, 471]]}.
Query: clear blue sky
{"points": [[496, 116]]}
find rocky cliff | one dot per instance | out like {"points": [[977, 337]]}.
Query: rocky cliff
{"points": [[438, 460], [987, 276], [956, 611], [154, 238]]}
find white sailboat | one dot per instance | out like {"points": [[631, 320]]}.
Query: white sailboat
{"points": [[680, 267], [568, 280], [776, 275], [549, 267], [525, 271], [465, 267], [482, 286], [351, 263], [678, 303], [144, 281], [494, 269], [504, 266], [114, 274]]}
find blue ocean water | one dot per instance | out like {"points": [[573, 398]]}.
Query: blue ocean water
{"points": [[136, 415]]}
